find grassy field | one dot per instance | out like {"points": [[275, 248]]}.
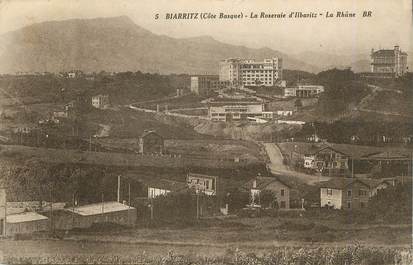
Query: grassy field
{"points": [[263, 232], [233, 240], [208, 149], [49, 155]]}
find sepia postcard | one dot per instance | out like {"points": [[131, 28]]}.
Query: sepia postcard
{"points": [[206, 132]]}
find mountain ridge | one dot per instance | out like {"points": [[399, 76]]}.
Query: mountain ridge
{"points": [[118, 44]]}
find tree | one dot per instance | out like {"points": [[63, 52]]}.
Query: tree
{"points": [[298, 103], [268, 199]]}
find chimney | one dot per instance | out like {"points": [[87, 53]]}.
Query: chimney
{"points": [[396, 48]]}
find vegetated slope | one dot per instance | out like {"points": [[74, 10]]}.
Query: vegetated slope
{"points": [[117, 44], [121, 87]]}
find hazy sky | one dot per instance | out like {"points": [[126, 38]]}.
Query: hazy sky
{"points": [[391, 23]]}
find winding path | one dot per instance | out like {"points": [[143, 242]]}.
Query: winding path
{"points": [[277, 166]]}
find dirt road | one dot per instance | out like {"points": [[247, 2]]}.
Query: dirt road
{"points": [[277, 166]]}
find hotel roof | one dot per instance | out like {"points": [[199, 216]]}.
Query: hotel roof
{"points": [[100, 208], [25, 217], [386, 53]]}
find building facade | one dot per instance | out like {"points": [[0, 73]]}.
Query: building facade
{"points": [[151, 142], [251, 73], [204, 84], [235, 111], [349, 193], [389, 61], [327, 160], [203, 183], [303, 91], [100, 101], [162, 187], [280, 189]]}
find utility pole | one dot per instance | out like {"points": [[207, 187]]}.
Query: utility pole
{"points": [[197, 204], [118, 188], [129, 203], [5, 214], [151, 208], [103, 204], [352, 168], [51, 209]]}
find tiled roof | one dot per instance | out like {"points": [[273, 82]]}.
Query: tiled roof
{"points": [[145, 133], [390, 155], [263, 182], [384, 53], [200, 175]]}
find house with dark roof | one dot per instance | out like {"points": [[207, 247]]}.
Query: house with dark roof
{"points": [[151, 142], [350, 193], [278, 187]]}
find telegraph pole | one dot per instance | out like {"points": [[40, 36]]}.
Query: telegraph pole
{"points": [[118, 188], [129, 203], [51, 209], [151, 208], [197, 204]]}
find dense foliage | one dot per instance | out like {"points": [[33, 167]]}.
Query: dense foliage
{"points": [[364, 132], [122, 87], [392, 205], [342, 90]]}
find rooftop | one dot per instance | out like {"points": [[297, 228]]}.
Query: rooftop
{"points": [[25, 217], [386, 53], [341, 183], [263, 182], [166, 184], [100, 208], [200, 175], [147, 132]]}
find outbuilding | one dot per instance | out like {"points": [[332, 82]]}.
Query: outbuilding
{"points": [[105, 212], [26, 223]]}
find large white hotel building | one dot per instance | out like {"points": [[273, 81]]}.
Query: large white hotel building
{"points": [[245, 72]]}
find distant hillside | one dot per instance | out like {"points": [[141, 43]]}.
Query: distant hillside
{"points": [[118, 44], [358, 62]]}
